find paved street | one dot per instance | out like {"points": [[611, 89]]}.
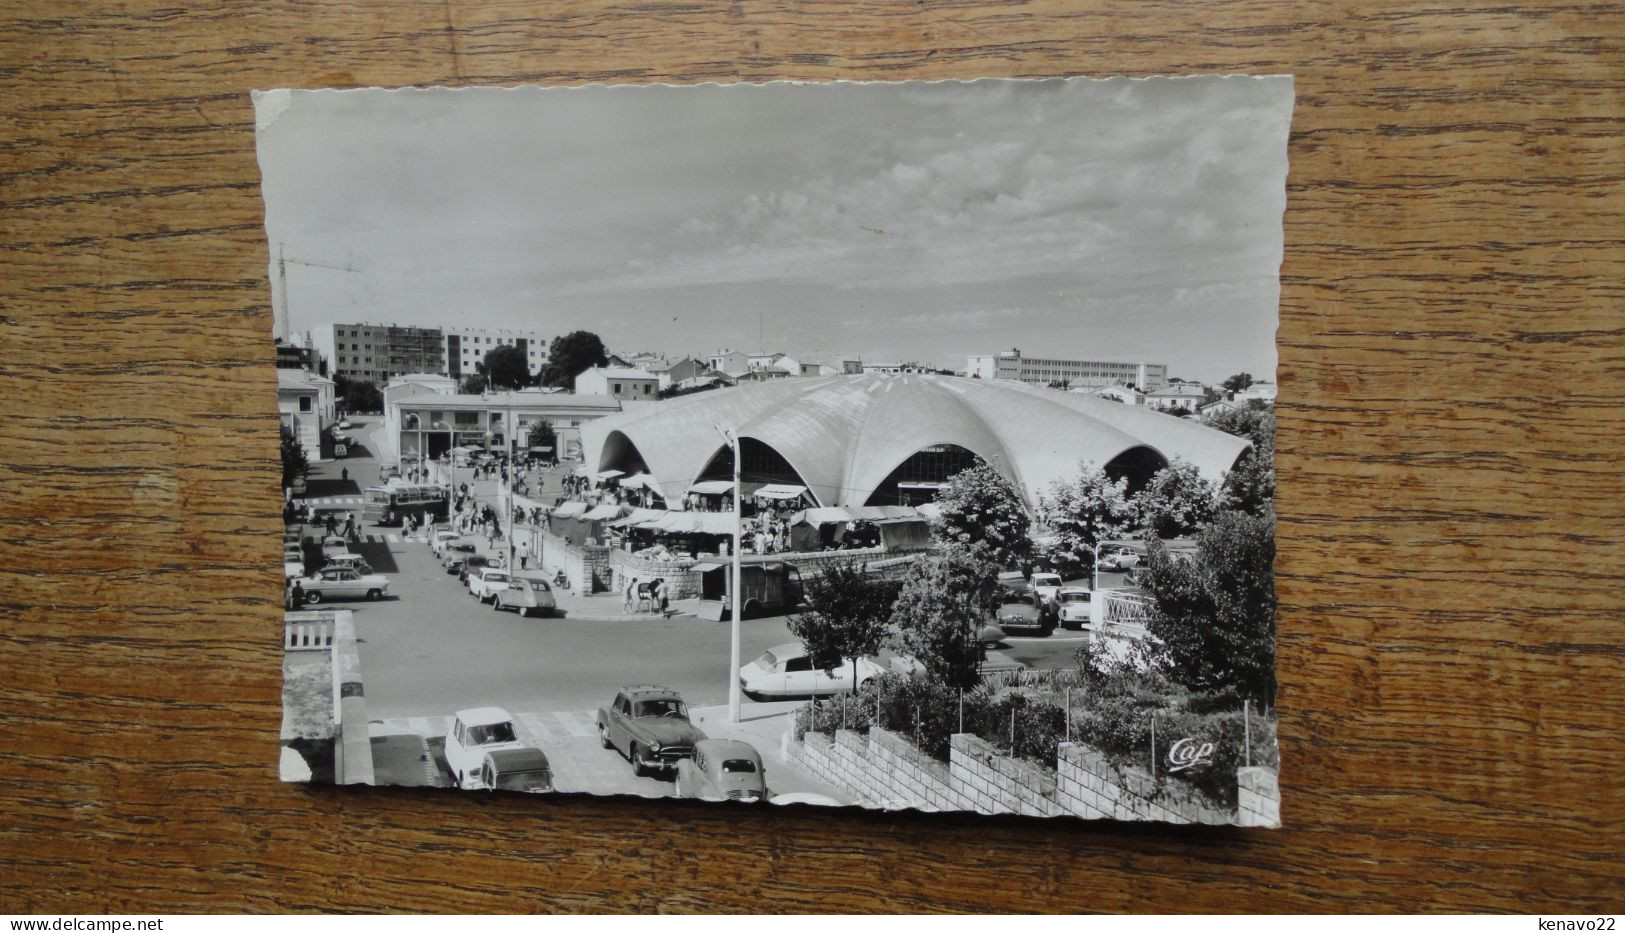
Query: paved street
{"points": [[430, 649]]}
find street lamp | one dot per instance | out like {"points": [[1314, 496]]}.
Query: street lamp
{"points": [[732, 438]]}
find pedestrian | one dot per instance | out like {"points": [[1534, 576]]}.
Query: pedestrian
{"points": [[332, 523], [344, 474], [349, 526], [630, 598], [298, 596], [657, 597]]}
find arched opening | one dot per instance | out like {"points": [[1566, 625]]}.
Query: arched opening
{"points": [[1137, 465], [917, 479], [621, 454], [759, 464]]}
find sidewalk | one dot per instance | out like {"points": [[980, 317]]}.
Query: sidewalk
{"points": [[610, 607]]}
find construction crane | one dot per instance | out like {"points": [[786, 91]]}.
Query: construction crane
{"points": [[282, 261]]}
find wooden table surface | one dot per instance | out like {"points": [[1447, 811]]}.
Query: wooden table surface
{"points": [[1450, 505]]}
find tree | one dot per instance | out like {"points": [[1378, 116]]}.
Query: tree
{"points": [[1238, 382], [541, 435], [941, 606], [1082, 513], [506, 368], [980, 508], [294, 461], [1212, 616], [474, 384], [1177, 501], [570, 356], [845, 616], [1250, 484], [357, 394]]}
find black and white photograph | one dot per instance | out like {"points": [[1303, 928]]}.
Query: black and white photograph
{"points": [[899, 446]]}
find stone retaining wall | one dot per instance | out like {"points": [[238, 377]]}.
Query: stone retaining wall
{"points": [[885, 770], [586, 566]]}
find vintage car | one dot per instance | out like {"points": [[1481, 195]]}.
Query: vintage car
{"points": [[343, 583], [722, 769], [453, 555], [522, 769], [440, 539], [649, 725], [526, 593], [293, 561], [1121, 559], [474, 734], [334, 544], [787, 671], [348, 561], [484, 583], [1046, 585], [473, 564], [1024, 612], [1073, 604]]}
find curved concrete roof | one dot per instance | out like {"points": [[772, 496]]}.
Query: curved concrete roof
{"points": [[845, 434]]}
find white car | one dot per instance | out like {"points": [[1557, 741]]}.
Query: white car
{"points": [[1120, 560], [474, 734], [1047, 585], [484, 583], [787, 671], [343, 583], [438, 543], [344, 423], [1075, 602]]}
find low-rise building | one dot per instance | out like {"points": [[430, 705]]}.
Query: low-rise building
{"points": [[1258, 391], [305, 403], [1117, 393], [433, 424], [618, 382], [1180, 396]]}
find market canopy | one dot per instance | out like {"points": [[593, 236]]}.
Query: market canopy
{"points": [[610, 474], [822, 516], [774, 491], [712, 487], [639, 517], [638, 481], [709, 523], [603, 513], [582, 471], [878, 513], [570, 510]]}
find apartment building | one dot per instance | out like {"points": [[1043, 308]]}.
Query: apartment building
{"points": [[1011, 364]]}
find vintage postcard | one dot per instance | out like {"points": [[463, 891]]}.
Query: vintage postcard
{"points": [[884, 445]]}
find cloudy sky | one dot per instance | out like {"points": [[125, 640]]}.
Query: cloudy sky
{"points": [[1120, 219]]}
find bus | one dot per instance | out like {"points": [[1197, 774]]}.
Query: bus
{"points": [[387, 505]]}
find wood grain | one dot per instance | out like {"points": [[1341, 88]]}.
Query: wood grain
{"points": [[1450, 553]]}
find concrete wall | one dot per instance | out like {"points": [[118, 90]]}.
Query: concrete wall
{"points": [[885, 770]]}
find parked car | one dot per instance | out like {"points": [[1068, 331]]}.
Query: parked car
{"points": [[484, 583], [1073, 605], [1121, 559], [454, 554], [344, 422], [343, 583], [298, 485], [473, 564], [1012, 580], [1047, 585], [1024, 612], [474, 734], [526, 593], [787, 671], [522, 769], [347, 560], [722, 769], [293, 561], [649, 725], [439, 541]]}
